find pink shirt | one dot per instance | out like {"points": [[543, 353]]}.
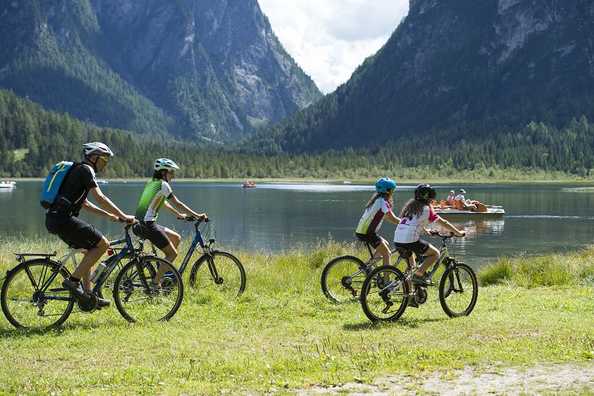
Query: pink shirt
{"points": [[409, 230]]}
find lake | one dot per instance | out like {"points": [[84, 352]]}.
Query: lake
{"points": [[275, 217]]}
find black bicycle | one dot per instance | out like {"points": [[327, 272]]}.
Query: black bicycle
{"points": [[343, 276], [32, 295], [214, 270], [387, 291]]}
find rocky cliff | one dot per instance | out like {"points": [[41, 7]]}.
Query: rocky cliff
{"points": [[205, 70], [477, 65]]}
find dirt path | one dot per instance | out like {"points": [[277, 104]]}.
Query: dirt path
{"points": [[510, 381]]}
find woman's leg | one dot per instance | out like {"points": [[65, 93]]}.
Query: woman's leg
{"points": [[170, 250], [383, 249], [431, 255]]}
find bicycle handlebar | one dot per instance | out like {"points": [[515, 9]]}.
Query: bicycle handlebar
{"points": [[192, 219], [442, 236]]}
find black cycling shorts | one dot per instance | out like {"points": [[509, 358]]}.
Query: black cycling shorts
{"points": [[72, 230], [372, 238], [419, 247], [153, 232]]}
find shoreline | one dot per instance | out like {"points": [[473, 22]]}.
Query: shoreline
{"points": [[356, 182]]}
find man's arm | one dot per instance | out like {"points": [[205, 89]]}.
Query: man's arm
{"points": [[109, 206], [91, 207]]}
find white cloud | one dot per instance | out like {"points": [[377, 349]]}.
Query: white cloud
{"points": [[330, 38]]}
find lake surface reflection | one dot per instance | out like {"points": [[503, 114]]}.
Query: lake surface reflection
{"points": [[273, 217]]}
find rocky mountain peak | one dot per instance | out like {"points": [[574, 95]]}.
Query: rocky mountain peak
{"points": [[212, 70], [489, 65]]}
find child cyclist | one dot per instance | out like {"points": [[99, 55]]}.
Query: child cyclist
{"points": [[379, 207], [158, 193], [416, 214]]}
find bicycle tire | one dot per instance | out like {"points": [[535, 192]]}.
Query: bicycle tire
{"points": [[382, 279], [451, 287], [332, 288], [238, 282], [145, 291], [62, 314]]}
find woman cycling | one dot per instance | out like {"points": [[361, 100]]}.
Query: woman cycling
{"points": [[379, 207], [158, 193], [415, 216]]}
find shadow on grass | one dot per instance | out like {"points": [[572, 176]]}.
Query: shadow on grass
{"points": [[412, 323], [62, 330]]}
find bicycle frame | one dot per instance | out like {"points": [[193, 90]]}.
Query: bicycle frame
{"points": [[443, 256], [198, 240], [113, 261]]}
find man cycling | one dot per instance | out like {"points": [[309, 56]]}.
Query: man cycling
{"points": [[62, 217], [158, 193]]}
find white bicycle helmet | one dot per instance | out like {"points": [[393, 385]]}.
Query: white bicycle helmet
{"points": [[97, 148], [165, 164]]}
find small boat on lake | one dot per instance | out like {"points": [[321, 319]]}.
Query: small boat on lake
{"points": [[7, 185], [248, 184], [491, 212]]}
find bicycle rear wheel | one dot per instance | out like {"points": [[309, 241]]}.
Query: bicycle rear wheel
{"points": [[458, 290], [219, 272], [140, 297], [32, 295], [384, 295], [342, 279]]}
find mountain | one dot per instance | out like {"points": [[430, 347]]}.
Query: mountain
{"points": [[201, 69], [474, 67]]}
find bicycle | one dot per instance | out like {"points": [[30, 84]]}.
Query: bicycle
{"points": [[221, 270], [343, 276], [386, 292], [32, 294]]}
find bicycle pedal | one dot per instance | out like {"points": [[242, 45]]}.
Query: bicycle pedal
{"points": [[387, 308]]}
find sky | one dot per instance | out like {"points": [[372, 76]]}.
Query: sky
{"points": [[330, 38]]}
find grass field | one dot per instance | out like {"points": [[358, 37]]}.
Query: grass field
{"points": [[282, 334]]}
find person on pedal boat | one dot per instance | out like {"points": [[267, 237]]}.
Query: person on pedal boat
{"points": [[417, 214], [377, 208], [158, 193], [62, 219]]}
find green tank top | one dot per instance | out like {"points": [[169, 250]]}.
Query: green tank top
{"points": [[152, 200]]}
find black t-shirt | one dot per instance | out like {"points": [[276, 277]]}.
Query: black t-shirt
{"points": [[76, 186]]}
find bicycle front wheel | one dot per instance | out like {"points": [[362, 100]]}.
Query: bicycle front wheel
{"points": [[458, 290], [32, 295], [148, 289], [384, 295], [342, 279], [219, 272]]}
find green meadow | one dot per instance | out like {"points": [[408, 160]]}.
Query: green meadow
{"points": [[283, 335]]}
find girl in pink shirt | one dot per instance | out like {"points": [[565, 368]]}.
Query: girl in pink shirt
{"points": [[417, 214]]}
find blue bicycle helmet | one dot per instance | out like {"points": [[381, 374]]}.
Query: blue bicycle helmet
{"points": [[385, 184]]}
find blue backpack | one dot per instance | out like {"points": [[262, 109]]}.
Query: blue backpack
{"points": [[53, 182]]}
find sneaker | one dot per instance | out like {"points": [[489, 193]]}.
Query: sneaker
{"points": [[101, 302], [412, 302], [75, 288], [421, 280]]}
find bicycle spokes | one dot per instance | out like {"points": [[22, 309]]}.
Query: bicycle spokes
{"points": [[149, 289], [220, 273], [33, 297], [458, 290], [343, 278], [384, 294]]}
